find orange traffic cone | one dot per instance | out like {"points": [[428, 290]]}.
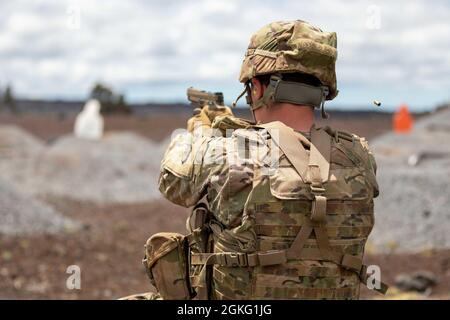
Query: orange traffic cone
{"points": [[402, 120]]}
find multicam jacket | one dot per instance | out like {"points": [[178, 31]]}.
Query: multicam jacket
{"points": [[291, 217]]}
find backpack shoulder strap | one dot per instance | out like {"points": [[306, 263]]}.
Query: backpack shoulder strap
{"points": [[318, 172], [320, 153], [289, 143]]}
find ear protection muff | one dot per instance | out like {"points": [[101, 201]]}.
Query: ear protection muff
{"points": [[280, 90]]}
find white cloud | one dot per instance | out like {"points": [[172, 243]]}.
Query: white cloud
{"points": [[153, 49]]}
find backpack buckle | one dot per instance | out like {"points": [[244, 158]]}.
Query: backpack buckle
{"points": [[317, 190], [235, 259]]}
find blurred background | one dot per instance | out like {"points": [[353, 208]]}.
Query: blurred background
{"points": [[78, 180]]}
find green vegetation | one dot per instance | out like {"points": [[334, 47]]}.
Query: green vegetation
{"points": [[7, 99], [111, 102]]}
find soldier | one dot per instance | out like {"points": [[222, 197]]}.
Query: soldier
{"points": [[289, 206]]}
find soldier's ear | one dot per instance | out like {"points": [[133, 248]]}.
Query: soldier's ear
{"points": [[257, 89]]}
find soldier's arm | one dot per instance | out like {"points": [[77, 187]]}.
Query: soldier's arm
{"points": [[194, 158], [188, 165], [370, 164], [359, 147]]}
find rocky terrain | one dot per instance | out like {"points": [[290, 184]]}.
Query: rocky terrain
{"points": [[413, 210], [66, 201]]}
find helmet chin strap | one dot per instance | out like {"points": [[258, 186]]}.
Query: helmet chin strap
{"points": [[248, 97], [246, 90], [280, 90]]}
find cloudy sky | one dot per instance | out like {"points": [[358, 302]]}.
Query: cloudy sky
{"points": [[393, 51]]}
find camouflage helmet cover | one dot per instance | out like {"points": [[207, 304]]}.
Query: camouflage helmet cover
{"points": [[292, 46]]}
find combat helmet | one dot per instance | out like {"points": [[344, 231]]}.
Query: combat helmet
{"points": [[291, 47]]}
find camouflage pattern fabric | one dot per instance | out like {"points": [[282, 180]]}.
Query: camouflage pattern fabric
{"points": [[293, 46], [165, 262], [260, 203], [143, 296]]}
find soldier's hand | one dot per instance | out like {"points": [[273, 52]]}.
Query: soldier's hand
{"points": [[213, 111], [205, 116], [199, 120]]}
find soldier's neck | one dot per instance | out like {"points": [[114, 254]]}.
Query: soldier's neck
{"points": [[300, 118]]}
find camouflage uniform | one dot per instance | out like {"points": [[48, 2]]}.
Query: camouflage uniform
{"points": [[260, 205], [291, 211]]}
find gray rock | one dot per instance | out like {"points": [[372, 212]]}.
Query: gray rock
{"points": [[121, 168], [420, 281], [24, 215]]}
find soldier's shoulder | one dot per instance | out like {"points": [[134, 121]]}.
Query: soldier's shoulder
{"points": [[347, 138], [231, 126], [356, 149], [354, 146]]}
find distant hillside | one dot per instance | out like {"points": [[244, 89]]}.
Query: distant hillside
{"points": [[68, 108], [51, 119]]}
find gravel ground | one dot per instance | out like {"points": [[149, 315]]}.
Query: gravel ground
{"points": [[109, 250], [109, 246], [121, 168], [20, 212], [23, 215], [413, 210]]}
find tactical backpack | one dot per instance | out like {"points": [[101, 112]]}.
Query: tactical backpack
{"points": [[306, 225]]}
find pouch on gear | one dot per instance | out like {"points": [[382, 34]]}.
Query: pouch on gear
{"points": [[166, 263]]}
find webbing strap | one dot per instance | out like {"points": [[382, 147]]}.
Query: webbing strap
{"points": [[197, 217], [295, 250], [320, 152], [319, 168], [289, 143], [234, 259], [323, 243], [275, 257], [383, 287], [364, 277], [351, 262], [227, 259], [319, 209], [306, 293], [268, 258]]}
